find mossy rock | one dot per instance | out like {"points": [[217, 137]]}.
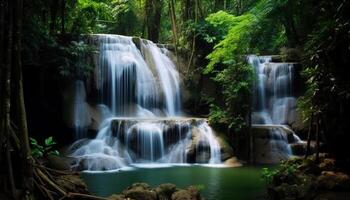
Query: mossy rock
{"points": [[165, 191], [191, 193], [140, 191]]}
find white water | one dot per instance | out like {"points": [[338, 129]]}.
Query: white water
{"points": [[274, 101], [81, 116], [140, 101]]}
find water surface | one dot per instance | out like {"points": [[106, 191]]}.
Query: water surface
{"points": [[243, 183]]}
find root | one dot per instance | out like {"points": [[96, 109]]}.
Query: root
{"points": [[47, 182]]}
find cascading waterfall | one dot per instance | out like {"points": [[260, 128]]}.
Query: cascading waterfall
{"points": [[169, 77], [80, 110], [140, 102], [274, 103]]}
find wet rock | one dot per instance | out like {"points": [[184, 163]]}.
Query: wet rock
{"points": [[165, 191], [140, 191], [225, 148], [327, 164], [232, 162], [116, 197], [59, 162], [198, 151], [331, 180], [190, 194], [291, 54]]}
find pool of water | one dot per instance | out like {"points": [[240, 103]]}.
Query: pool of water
{"points": [[242, 183]]}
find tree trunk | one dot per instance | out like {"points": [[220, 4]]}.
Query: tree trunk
{"points": [[153, 10], [63, 8], [6, 64], [53, 15], [317, 140], [21, 121], [308, 148]]}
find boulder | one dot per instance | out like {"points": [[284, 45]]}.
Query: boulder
{"points": [[332, 180], [191, 193], [327, 164], [140, 191], [232, 162], [165, 191], [198, 151], [116, 197], [225, 148], [298, 149]]}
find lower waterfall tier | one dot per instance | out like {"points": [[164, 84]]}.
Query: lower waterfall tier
{"points": [[125, 141]]}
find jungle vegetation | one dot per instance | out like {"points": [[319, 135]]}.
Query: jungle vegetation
{"points": [[215, 35]]}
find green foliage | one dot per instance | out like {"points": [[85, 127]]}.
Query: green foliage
{"points": [[327, 93], [285, 169], [217, 115], [235, 42], [75, 62], [256, 30], [268, 174], [39, 151]]}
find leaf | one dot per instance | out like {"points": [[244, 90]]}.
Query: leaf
{"points": [[33, 141], [55, 153], [49, 141]]}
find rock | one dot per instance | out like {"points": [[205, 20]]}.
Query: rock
{"points": [[298, 149], [269, 146], [297, 124], [232, 162], [198, 151], [165, 191], [59, 162], [190, 194], [116, 197], [331, 180], [333, 196], [327, 164], [291, 54], [140, 191], [225, 148]]}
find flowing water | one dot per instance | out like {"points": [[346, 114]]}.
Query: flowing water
{"points": [[141, 107], [81, 116], [274, 101]]}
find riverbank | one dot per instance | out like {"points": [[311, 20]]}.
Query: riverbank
{"points": [[300, 178]]}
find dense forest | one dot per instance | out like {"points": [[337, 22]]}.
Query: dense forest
{"points": [[42, 38]]}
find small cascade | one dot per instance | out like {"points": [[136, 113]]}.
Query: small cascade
{"points": [[274, 103], [81, 116], [140, 101], [167, 73]]}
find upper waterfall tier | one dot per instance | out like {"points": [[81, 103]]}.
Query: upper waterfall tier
{"points": [[138, 82], [274, 100]]}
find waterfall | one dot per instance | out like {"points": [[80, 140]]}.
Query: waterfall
{"points": [[168, 75], [274, 101], [81, 116], [141, 104]]}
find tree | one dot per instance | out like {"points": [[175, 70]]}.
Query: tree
{"points": [[152, 18], [12, 100]]}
